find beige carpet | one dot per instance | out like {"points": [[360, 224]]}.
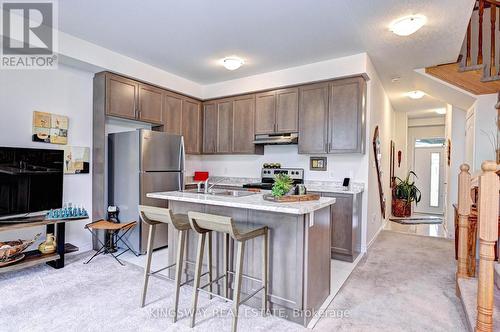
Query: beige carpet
{"points": [[405, 283]]}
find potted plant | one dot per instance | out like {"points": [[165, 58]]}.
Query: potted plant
{"points": [[404, 193], [282, 185]]}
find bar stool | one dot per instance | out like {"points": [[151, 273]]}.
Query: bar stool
{"points": [[153, 216], [204, 224]]}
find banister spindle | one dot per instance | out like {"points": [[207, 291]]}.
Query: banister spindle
{"points": [[487, 206], [493, 20], [480, 36], [464, 205], [468, 59]]}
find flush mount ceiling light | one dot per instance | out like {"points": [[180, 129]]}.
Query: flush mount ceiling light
{"points": [[417, 94], [232, 62], [440, 110], [408, 25]]}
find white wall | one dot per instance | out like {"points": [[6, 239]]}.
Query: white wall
{"points": [[65, 91], [485, 126], [381, 114], [323, 70], [455, 132]]}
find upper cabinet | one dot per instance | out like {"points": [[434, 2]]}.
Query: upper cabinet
{"points": [[150, 104], [129, 99], [168, 111], [346, 116], [277, 111], [192, 125], [172, 113], [228, 126], [313, 114], [243, 124], [332, 117], [121, 96]]}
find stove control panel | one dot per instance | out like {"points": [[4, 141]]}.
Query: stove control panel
{"points": [[296, 174]]}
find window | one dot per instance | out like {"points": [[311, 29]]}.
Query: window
{"points": [[434, 192]]}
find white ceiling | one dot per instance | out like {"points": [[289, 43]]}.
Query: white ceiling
{"points": [[188, 37]]}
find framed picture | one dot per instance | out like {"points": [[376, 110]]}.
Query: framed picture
{"points": [[76, 160], [50, 128], [317, 164]]}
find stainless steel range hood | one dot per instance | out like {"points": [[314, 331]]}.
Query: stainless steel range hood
{"points": [[270, 139]]}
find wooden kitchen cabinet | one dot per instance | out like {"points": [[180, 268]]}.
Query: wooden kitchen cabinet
{"points": [[346, 116], [313, 115], [150, 104], [332, 117], [265, 112], [277, 111], [192, 126], [209, 128], [287, 110], [243, 124], [172, 113], [345, 226], [224, 125], [121, 96]]}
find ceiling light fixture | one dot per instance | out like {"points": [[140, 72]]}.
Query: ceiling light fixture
{"points": [[408, 25], [417, 94], [232, 62], [440, 110]]}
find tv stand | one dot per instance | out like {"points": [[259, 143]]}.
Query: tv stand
{"points": [[57, 227]]}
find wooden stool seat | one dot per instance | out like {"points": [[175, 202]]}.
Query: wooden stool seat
{"points": [[153, 216], [110, 226], [118, 232], [204, 224]]}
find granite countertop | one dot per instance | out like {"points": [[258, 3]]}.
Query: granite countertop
{"points": [[252, 202], [314, 186]]}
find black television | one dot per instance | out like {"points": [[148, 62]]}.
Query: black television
{"points": [[31, 182]]}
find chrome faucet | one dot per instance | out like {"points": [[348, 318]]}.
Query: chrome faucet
{"points": [[207, 187]]}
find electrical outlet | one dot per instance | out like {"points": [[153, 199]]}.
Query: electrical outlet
{"points": [[374, 218], [225, 170], [332, 174]]}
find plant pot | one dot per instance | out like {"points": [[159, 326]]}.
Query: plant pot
{"points": [[400, 208]]}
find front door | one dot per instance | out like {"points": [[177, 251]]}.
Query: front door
{"points": [[429, 167]]}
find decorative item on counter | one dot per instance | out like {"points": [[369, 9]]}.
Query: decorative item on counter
{"points": [[300, 189], [50, 128], [76, 160], [317, 164], [49, 246], [403, 194], [283, 184], [11, 251], [67, 212], [200, 176]]}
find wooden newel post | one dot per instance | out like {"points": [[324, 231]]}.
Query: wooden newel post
{"points": [[488, 233], [464, 205]]}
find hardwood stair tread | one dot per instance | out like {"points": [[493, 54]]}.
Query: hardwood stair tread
{"points": [[468, 296]]}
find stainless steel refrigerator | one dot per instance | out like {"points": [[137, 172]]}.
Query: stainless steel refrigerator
{"points": [[140, 162]]}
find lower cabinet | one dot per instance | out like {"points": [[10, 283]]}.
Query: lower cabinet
{"points": [[345, 226]]}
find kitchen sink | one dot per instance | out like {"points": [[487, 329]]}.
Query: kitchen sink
{"points": [[224, 192]]}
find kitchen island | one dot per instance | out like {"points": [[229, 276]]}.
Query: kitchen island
{"points": [[299, 247]]}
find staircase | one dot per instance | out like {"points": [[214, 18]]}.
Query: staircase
{"points": [[480, 296], [478, 67]]}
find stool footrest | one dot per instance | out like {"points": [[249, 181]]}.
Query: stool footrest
{"points": [[162, 269], [251, 295], [245, 276]]}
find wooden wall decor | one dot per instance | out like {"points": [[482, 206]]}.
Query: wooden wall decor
{"points": [[448, 149], [378, 164], [393, 152], [400, 154]]}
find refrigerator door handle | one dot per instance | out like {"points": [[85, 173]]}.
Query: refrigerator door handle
{"points": [[182, 161]]}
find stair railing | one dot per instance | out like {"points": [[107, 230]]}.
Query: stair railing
{"points": [[464, 207], [487, 205], [491, 70]]}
